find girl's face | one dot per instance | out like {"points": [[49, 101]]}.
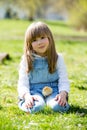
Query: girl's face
{"points": [[40, 45]]}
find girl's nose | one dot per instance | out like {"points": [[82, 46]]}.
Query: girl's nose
{"points": [[39, 41]]}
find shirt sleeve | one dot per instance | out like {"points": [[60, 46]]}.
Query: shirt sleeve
{"points": [[63, 81], [23, 81]]}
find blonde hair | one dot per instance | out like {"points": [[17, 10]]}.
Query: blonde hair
{"points": [[39, 29]]}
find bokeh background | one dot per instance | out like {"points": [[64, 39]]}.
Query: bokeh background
{"points": [[74, 11]]}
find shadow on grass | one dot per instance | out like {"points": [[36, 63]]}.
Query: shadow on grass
{"points": [[1, 107], [81, 87], [73, 109], [78, 110]]}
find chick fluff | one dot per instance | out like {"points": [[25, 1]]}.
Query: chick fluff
{"points": [[46, 91]]}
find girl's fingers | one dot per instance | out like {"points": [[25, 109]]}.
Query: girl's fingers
{"points": [[56, 98], [62, 103], [61, 99], [35, 98], [28, 105]]}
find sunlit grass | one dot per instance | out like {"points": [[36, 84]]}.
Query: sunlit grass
{"points": [[75, 55], [15, 29]]}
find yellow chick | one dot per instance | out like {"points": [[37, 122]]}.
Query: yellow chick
{"points": [[46, 91]]}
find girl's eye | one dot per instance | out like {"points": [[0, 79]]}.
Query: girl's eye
{"points": [[34, 40], [42, 37]]}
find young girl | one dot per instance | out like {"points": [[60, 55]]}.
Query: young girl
{"points": [[41, 66]]}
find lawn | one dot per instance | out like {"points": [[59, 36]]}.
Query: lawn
{"points": [[75, 55]]}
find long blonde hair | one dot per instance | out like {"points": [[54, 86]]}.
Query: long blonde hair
{"points": [[39, 29]]}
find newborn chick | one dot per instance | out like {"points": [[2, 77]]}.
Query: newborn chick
{"points": [[46, 91]]}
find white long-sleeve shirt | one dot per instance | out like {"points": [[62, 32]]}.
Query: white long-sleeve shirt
{"points": [[23, 82]]}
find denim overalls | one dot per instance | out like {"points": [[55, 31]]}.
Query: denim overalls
{"points": [[39, 78]]}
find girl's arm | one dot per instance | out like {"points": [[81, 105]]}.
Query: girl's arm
{"points": [[63, 82], [23, 82]]}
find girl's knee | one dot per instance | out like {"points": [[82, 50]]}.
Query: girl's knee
{"points": [[39, 103], [38, 106], [21, 105], [57, 108]]}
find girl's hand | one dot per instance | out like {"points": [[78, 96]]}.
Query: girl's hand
{"points": [[61, 98], [29, 100]]}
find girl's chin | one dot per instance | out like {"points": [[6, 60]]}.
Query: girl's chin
{"points": [[42, 54]]}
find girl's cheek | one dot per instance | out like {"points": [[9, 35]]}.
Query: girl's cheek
{"points": [[47, 41], [33, 45]]}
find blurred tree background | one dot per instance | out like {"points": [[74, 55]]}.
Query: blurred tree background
{"points": [[76, 10]]}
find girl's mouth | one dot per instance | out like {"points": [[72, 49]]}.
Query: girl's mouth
{"points": [[41, 47]]}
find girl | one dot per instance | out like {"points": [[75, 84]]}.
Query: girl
{"points": [[42, 66]]}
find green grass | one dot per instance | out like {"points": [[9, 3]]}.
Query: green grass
{"points": [[75, 55]]}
